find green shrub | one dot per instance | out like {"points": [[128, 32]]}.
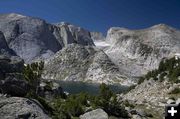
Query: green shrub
{"points": [[105, 92], [127, 104], [42, 101], [141, 79], [162, 75], [175, 91], [173, 98], [74, 105], [32, 73], [107, 101], [130, 88], [172, 66]]}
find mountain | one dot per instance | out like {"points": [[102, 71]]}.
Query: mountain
{"points": [[33, 38], [82, 63], [138, 51], [71, 53], [132, 52]]}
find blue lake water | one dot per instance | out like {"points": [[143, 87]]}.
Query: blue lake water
{"points": [[77, 87]]}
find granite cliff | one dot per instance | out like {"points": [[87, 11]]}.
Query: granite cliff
{"points": [[33, 38], [138, 51]]}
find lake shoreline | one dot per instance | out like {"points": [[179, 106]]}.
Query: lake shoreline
{"points": [[75, 87]]}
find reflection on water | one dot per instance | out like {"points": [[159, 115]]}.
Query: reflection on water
{"points": [[77, 87]]}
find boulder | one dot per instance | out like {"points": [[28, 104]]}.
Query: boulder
{"points": [[14, 85], [11, 64], [95, 114], [170, 101], [12, 82], [178, 101], [141, 113], [21, 108]]}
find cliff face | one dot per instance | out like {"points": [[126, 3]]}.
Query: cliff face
{"points": [[67, 33], [138, 51], [33, 38], [4, 48]]}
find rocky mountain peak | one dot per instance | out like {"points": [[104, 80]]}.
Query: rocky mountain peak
{"points": [[160, 26], [10, 17], [62, 23], [34, 39], [142, 48]]}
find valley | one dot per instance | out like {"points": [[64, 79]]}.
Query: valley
{"points": [[63, 71]]}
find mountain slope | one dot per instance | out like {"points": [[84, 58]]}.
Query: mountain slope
{"points": [[138, 51], [82, 63], [157, 88]]}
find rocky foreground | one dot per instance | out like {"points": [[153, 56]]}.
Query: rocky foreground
{"points": [[151, 97], [21, 108]]}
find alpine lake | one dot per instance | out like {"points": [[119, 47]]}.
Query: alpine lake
{"points": [[74, 87]]}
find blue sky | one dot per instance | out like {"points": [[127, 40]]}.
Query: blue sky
{"points": [[99, 15]]}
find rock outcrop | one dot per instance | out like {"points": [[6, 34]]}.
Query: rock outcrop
{"points": [[67, 33], [150, 96], [14, 85], [95, 114], [82, 63], [138, 51], [12, 82], [33, 38], [20, 108], [10, 64], [152, 92], [4, 48]]}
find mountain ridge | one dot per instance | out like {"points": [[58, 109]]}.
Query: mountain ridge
{"points": [[135, 52], [132, 50], [33, 38]]}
